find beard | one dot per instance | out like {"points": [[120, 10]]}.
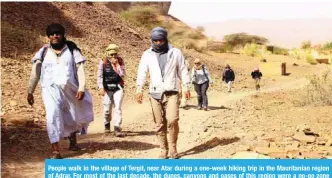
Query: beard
{"points": [[58, 46]]}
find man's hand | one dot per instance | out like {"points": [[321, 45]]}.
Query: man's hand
{"points": [[30, 99], [187, 95], [139, 98], [80, 95], [101, 92]]}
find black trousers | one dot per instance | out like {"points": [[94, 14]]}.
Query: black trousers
{"points": [[201, 93]]}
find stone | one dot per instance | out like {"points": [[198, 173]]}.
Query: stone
{"points": [[311, 155], [273, 145], [293, 146], [279, 155], [301, 128], [308, 131], [266, 150], [293, 154], [244, 148], [247, 155], [13, 103], [304, 138], [321, 141]]}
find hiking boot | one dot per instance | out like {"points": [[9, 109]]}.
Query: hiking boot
{"points": [[205, 108], [199, 107], [108, 128], [117, 132]]}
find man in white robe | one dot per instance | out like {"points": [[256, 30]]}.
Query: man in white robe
{"points": [[59, 66]]}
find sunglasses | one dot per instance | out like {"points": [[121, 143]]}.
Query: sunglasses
{"points": [[114, 54], [56, 33], [197, 63]]}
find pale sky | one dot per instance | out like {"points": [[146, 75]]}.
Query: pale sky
{"points": [[219, 11]]}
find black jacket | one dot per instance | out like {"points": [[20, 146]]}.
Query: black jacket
{"points": [[228, 75], [256, 74]]}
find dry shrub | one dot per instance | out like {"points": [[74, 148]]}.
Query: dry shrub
{"points": [[318, 92], [280, 50], [142, 16], [188, 44]]}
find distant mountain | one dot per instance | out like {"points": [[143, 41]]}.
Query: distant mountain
{"points": [[286, 33]]}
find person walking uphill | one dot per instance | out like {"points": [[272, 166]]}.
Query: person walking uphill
{"points": [[256, 74], [201, 79], [229, 77], [111, 72], [165, 65], [59, 66]]}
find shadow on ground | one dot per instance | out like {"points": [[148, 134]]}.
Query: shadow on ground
{"points": [[209, 145]]}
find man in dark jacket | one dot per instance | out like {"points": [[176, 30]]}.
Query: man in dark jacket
{"points": [[256, 75], [228, 77]]}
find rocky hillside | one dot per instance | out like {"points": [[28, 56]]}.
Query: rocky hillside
{"points": [[92, 26]]}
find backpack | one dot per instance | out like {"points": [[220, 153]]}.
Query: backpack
{"points": [[111, 79], [71, 46], [203, 67]]}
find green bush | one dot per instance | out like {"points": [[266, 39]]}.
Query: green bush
{"points": [[327, 46], [279, 50], [309, 57], [241, 39], [142, 16], [296, 53]]}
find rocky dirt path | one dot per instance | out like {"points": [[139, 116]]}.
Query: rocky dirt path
{"points": [[203, 134]]}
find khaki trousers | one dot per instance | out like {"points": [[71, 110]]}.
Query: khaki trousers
{"points": [[166, 113]]}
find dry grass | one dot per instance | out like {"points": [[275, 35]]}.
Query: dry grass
{"points": [[318, 92], [142, 16], [179, 34]]}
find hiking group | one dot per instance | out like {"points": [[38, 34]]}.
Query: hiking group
{"points": [[59, 66]]}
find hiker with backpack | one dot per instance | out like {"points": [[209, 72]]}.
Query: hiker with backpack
{"points": [[256, 74], [165, 65], [201, 79], [59, 66], [111, 72], [228, 77]]}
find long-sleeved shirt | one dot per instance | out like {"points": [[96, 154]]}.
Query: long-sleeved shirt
{"points": [[175, 69], [120, 70], [199, 77], [256, 74], [36, 71], [228, 75]]}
